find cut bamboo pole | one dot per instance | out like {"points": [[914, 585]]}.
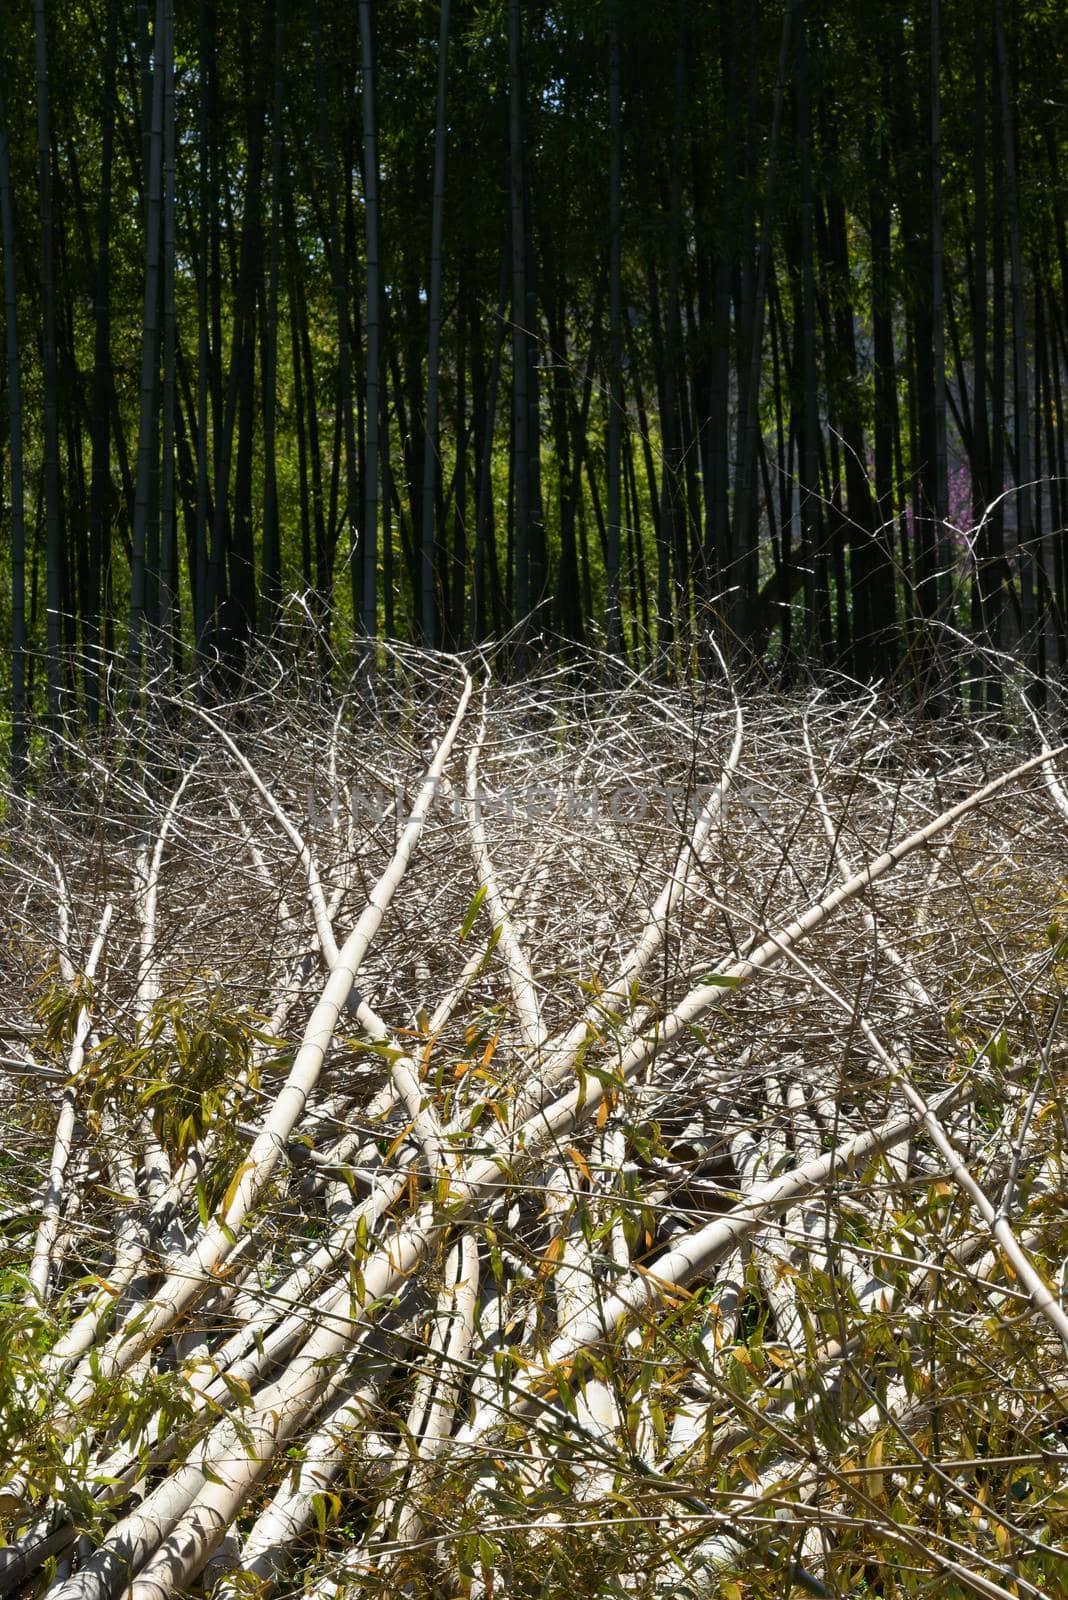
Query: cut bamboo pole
{"points": [[52, 1203]]}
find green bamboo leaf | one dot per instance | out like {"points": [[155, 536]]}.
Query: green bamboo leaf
{"points": [[472, 912]]}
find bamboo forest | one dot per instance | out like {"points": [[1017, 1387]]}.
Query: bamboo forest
{"points": [[534, 800], [642, 321]]}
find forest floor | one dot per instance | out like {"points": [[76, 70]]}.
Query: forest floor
{"points": [[675, 1205]]}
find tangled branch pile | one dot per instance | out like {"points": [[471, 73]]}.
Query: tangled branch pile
{"points": [[535, 1139]]}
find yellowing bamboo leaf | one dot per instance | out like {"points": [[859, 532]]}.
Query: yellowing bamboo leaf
{"points": [[580, 1161], [234, 1184], [551, 1256], [398, 1141], [669, 1290]]}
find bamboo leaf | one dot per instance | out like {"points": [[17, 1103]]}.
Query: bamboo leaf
{"points": [[472, 911]]}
